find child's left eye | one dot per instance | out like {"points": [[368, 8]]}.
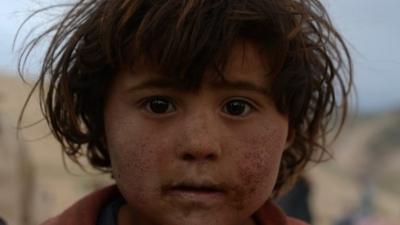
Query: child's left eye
{"points": [[239, 108]]}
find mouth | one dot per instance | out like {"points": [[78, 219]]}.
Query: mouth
{"points": [[201, 192], [197, 187]]}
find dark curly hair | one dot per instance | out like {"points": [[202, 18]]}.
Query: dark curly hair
{"points": [[95, 38]]}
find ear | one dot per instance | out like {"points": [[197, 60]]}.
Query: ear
{"points": [[290, 138]]}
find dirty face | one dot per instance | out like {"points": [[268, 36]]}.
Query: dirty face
{"points": [[184, 158]]}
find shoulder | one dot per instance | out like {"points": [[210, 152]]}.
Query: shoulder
{"points": [[293, 221], [271, 214], [86, 210]]}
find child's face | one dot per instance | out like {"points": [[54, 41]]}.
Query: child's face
{"points": [[209, 157]]}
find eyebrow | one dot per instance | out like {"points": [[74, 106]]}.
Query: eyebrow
{"points": [[160, 83]]}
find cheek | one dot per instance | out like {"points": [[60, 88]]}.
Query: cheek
{"points": [[131, 159], [259, 164], [133, 155]]}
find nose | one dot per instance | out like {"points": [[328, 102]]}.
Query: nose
{"points": [[200, 139]]}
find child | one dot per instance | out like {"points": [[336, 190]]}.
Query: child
{"points": [[203, 111]]}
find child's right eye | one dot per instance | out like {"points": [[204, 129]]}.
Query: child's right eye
{"points": [[158, 105]]}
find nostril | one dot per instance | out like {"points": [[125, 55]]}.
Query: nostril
{"points": [[211, 157], [188, 157], [192, 157]]}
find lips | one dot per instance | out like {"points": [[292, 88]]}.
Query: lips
{"points": [[197, 187], [203, 192]]}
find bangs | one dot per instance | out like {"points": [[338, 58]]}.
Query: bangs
{"points": [[184, 39]]}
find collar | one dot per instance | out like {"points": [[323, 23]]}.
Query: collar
{"points": [[87, 210]]}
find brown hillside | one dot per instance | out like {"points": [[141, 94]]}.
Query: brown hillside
{"points": [[53, 188]]}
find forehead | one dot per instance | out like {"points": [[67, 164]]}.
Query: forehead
{"points": [[245, 62]]}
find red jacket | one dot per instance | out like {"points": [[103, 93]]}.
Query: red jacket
{"points": [[86, 211]]}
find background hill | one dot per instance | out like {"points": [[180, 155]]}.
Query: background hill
{"points": [[35, 185]]}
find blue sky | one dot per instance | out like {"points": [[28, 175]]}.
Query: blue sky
{"points": [[371, 27], [373, 30]]}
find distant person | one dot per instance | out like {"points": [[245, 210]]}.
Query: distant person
{"points": [[201, 110], [296, 203], [2, 222]]}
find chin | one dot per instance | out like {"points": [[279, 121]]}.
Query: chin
{"points": [[202, 217], [198, 220]]}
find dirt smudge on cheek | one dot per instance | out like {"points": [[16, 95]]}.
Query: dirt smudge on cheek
{"points": [[134, 158], [251, 177], [257, 168], [133, 166]]}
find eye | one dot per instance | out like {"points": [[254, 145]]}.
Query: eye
{"points": [[158, 105], [238, 108]]}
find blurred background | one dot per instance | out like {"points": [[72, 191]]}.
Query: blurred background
{"points": [[361, 185]]}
